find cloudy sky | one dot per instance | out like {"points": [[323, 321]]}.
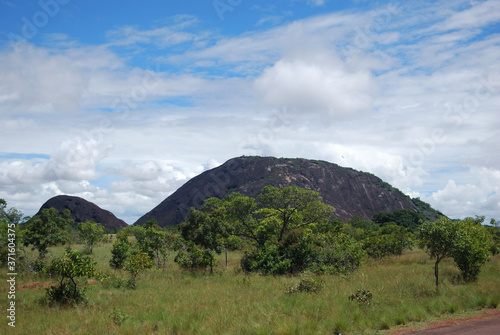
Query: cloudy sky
{"points": [[121, 102]]}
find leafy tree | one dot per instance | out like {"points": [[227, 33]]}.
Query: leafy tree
{"points": [[156, 243], [190, 256], [438, 239], [402, 217], [208, 227], [471, 248], [495, 235], [135, 263], [91, 233], [69, 267], [467, 241], [11, 215], [47, 229], [390, 240], [119, 253], [288, 208]]}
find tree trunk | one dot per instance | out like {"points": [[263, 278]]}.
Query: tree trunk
{"points": [[227, 264], [436, 273]]}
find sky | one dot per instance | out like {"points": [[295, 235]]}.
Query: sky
{"points": [[122, 102]]}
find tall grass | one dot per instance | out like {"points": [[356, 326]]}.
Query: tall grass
{"points": [[228, 302]]}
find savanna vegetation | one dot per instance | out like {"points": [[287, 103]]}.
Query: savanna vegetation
{"points": [[279, 263]]}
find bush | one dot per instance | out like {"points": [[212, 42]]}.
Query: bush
{"points": [[119, 254], [340, 254], [69, 266], [65, 294], [192, 257], [362, 296], [306, 284], [267, 260]]}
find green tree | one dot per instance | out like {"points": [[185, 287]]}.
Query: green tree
{"points": [[156, 243], [69, 267], [135, 263], [119, 253], [208, 227], [466, 241], [11, 215], [472, 248], [91, 233], [438, 238], [284, 209], [47, 229]]}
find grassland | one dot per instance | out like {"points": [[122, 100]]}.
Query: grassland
{"points": [[228, 302]]}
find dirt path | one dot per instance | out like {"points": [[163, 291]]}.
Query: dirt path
{"points": [[484, 324]]}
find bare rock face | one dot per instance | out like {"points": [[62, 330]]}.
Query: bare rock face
{"points": [[83, 210], [350, 192]]}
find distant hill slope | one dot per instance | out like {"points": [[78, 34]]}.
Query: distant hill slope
{"points": [[83, 210], [350, 192]]}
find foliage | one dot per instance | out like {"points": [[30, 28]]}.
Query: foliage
{"points": [[472, 248], [362, 296], [135, 263], [301, 250], [156, 243], [340, 254], [119, 317], [402, 217], [208, 227], [69, 267], [438, 239], [467, 241], [389, 240], [47, 229], [91, 233], [288, 208], [306, 284], [191, 257], [119, 253], [11, 236]]}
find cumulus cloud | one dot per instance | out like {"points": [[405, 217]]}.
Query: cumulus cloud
{"points": [[482, 197], [318, 84]]}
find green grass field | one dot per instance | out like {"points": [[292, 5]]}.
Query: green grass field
{"points": [[228, 302]]}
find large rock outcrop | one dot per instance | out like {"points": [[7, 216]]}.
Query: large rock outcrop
{"points": [[350, 192], [83, 210]]}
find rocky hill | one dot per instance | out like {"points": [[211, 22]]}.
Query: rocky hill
{"points": [[83, 210], [350, 192]]}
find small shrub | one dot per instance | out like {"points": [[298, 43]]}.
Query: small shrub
{"points": [[362, 296], [193, 257], [65, 294], [69, 267], [119, 254], [309, 285], [119, 317]]}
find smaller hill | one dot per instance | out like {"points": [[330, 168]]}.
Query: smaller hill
{"points": [[83, 210]]}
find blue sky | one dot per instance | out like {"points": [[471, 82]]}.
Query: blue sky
{"points": [[121, 102]]}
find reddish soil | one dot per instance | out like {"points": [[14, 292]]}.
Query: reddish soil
{"points": [[38, 285], [34, 285], [487, 323]]}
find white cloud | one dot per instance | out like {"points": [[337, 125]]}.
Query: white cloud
{"points": [[482, 197], [213, 97], [478, 15], [319, 84]]}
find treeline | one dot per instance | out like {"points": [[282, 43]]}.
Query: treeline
{"points": [[285, 230]]}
